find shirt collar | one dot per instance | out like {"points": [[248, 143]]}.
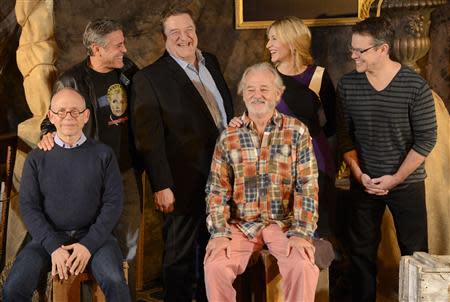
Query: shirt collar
{"points": [[62, 144], [276, 120], [183, 64]]}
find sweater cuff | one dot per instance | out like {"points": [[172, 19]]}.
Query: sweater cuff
{"points": [[91, 245], [53, 243]]}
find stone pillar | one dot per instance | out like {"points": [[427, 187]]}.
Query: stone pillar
{"points": [[36, 56]]}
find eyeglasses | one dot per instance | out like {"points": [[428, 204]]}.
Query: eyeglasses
{"points": [[359, 51], [73, 113]]}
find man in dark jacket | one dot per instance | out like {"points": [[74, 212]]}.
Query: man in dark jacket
{"points": [[180, 104], [104, 80]]}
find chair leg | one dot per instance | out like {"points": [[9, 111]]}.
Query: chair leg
{"points": [[5, 198]]}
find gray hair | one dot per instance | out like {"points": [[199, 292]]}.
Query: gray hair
{"points": [[264, 66], [96, 31]]}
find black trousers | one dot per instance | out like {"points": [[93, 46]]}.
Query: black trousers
{"points": [[407, 206], [327, 206], [185, 240]]}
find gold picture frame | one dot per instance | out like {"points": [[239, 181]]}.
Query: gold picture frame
{"points": [[363, 7]]}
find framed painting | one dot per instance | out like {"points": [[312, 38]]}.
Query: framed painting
{"points": [[254, 14]]}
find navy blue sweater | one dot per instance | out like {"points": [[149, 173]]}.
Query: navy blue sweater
{"points": [[75, 190]]}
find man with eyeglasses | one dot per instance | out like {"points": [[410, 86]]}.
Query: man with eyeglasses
{"points": [[104, 80], [387, 128], [71, 198], [181, 103]]}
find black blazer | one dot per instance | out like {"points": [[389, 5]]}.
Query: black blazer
{"points": [[174, 131]]}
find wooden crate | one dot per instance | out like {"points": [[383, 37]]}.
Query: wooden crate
{"points": [[424, 278]]}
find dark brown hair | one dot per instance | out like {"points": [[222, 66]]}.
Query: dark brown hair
{"points": [[379, 28], [173, 11]]}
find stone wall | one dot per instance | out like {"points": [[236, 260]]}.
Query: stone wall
{"points": [[235, 49], [13, 107], [436, 64]]}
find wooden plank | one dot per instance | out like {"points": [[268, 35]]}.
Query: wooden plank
{"points": [[434, 287]]}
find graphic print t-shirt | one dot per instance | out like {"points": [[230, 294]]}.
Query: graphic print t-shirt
{"points": [[112, 115]]}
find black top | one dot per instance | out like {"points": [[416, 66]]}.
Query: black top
{"points": [[94, 87], [112, 115], [303, 103]]}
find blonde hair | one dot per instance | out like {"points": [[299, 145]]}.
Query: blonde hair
{"points": [[293, 32], [116, 89]]}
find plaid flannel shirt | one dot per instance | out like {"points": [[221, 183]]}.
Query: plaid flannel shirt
{"points": [[256, 182]]}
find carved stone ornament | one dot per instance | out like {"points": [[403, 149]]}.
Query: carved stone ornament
{"points": [[411, 21]]}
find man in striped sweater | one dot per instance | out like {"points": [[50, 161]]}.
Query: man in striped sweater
{"points": [[386, 128]]}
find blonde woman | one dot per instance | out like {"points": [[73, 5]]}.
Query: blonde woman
{"points": [[289, 44]]}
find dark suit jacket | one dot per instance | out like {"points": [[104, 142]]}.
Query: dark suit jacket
{"points": [[174, 131]]}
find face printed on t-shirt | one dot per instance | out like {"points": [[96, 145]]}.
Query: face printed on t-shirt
{"points": [[117, 99]]}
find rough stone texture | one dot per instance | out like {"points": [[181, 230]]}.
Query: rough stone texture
{"points": [[13, 106], [438, 65], [235, 49]]}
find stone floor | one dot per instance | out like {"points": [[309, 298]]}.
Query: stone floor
{"points": [[154, 294]]}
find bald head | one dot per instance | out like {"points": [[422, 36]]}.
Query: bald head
{"points": [[68, 113], [69, 94]]}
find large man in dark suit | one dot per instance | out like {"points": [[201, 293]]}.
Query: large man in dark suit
{"points": [[180, 104]]}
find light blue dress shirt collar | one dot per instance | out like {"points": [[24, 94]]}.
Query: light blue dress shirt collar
{"points": [[62, 144]]}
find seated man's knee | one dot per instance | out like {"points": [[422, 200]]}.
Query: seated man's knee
{"points": [[114, 279], [210, 268], [15, 290], [9, 290], [18, 285], [216, 262], [218, 270], [301, 266], [115, 288]]}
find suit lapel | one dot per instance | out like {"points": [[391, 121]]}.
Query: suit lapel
{"points": [[191, 92]]}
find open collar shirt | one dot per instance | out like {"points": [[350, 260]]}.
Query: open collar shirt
{"points": [[255, 182], [206, 87]]}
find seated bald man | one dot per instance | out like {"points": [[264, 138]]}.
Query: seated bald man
{"points": [[262, 189], [70, 200]]}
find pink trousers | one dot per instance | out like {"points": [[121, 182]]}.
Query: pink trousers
{"points": [[299, 275]]}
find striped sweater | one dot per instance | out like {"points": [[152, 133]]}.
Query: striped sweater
{"points": [[382, 126]]}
